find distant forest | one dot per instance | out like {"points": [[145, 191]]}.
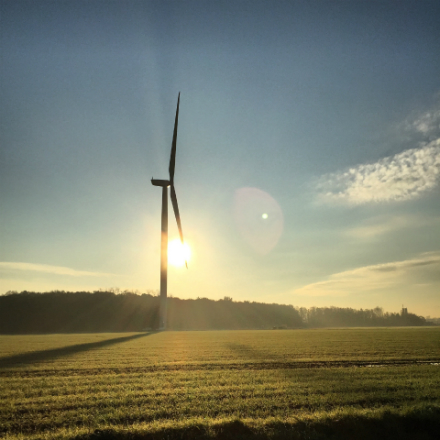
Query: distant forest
{"points": [[111, 311]]}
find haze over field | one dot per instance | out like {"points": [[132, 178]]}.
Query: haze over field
{"points": [[308, 153]]}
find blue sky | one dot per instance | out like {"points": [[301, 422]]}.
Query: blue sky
{"points": [[323, 115]]}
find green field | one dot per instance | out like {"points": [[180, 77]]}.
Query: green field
{"points": [[304, 384]]}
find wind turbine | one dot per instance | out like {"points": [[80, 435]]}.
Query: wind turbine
{"points": [[164, 222]]}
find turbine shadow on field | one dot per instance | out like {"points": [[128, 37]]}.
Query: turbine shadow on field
{"points": [[415, 424], [46, 355]]}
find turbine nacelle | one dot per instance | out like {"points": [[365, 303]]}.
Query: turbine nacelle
{"points": [[160, 182]]}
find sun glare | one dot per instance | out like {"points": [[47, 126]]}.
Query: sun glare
{"points": [[178, 253]]}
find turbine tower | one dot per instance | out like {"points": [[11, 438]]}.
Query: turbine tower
{"points": [[164, 236]]}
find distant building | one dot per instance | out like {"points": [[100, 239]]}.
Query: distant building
{"points": [[404, 311]]}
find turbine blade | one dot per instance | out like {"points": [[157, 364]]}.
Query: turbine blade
{"points": [[176, 211], [173, 145], [177, 214]]}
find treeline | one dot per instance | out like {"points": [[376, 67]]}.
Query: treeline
{"points": [[111, 311], [30, 312], [347, 317]]}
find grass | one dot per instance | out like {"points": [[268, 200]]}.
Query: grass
{"points": [[245, 384]]}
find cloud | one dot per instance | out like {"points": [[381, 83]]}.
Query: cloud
{"points": [[428, 123], [424, 269], [403, 176], [55, 270], [381, 225]]}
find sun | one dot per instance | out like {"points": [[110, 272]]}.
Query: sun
{"points": [[178, 253]]}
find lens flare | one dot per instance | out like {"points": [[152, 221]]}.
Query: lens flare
{"points": [[259, 218]]}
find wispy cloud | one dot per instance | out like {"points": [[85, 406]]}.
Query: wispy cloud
{"points": [[55, 270], [381, 225], [428, 124], [403, 176], [424, 269]]}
